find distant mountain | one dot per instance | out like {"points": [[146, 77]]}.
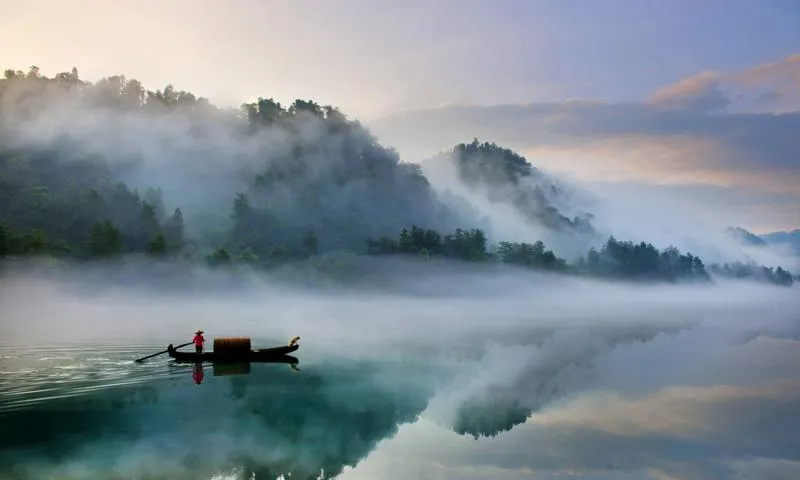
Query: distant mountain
{"points": [[500, 176], [781, 238], [746, 237]]}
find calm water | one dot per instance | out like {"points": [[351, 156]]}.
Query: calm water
{"points": [[571, 405]]}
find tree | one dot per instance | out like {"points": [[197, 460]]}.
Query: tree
{"points": [[104, 239], [147, 224], [157, 245], [311, 243], [220, 256], [4, 241], [174, 229]]}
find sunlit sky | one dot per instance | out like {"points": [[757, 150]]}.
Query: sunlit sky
{"points": [[377, 58]]}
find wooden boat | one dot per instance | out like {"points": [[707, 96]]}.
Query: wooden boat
{"points": [[192, 357], [237, 350]]}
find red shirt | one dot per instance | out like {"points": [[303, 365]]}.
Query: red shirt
{"points": [[198, 340], [198, 375]]}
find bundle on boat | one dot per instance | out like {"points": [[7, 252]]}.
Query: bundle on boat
{"points": [[232, 345]]}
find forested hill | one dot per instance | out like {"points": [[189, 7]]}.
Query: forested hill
{"points": [[254, 179], [98, 170], [500, 176]]}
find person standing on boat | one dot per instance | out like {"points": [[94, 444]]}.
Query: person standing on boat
{"points": [[198, 341]]}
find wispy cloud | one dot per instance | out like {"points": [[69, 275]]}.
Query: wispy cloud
{"points": [[701, 92], [725, 129], [687, 433], [768, 87]]}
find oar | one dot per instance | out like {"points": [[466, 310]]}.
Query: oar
{"points": [[159, 353]]}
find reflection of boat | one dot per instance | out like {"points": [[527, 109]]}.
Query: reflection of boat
{"points": [[237, 350], [243, 368]]}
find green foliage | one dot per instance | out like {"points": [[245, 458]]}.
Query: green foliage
{"points": [[58, 200], [530, 255], [104, 240], [752, 271], [509, 178], [621, 260], [311, 243], [642, 261], [219, 257], [158, 245], [490, 162], [469, 245], [5, 241], [174, 230]]}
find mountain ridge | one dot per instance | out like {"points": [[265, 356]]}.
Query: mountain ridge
{"points": [[93, 170]]}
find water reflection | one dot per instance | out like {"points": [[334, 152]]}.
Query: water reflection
{"points": [[226, 369], [585, 403], [197, 373], [676, 433], [265, 419]]}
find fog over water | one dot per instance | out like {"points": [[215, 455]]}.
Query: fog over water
{"points": [[493, 375]]}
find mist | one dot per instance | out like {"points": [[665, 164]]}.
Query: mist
{"points": [[478, 356], [281, 172], [307, 171], [469, 312], [635, 212], [641, 211], [475, 348]]}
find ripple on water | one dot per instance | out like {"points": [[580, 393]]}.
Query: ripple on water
{"points": [[34, 375]]}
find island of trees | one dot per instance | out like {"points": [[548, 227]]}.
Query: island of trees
{"points": [[334, 189]]}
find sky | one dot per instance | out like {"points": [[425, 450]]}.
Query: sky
{"points": [[702, 97]]}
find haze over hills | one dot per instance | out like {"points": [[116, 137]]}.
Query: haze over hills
{"points": [[786, 242], [715, 149], [97, 170], [785, 239]]}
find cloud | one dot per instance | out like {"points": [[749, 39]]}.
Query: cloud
{"points": [[687, 412], [688, 433], [701, 92], [764, 468], [727, 144], [768, 87], [709, 130]]}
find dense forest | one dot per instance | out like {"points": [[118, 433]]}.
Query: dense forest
{"points": [[102, 170]]}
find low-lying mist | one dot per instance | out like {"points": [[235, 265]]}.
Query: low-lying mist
{"points": [[419, 302], [467, 310], [665, 218]]}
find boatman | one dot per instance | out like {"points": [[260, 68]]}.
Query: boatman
{"points": [[198, 341]]}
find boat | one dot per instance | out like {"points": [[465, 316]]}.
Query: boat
{"points": [[276, 354], [238, 350]]}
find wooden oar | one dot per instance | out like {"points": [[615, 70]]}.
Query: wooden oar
{"points": [[159, 353]]}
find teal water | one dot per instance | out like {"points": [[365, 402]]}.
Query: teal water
{"points": [[89, 411], [680, 410]]}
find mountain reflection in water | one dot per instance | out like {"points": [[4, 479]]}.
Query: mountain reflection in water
{"points": [[69, 412], [547, 403]]}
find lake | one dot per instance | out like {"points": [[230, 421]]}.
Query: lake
{"points": [[633, 403]]}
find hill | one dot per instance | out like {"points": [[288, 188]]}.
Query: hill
{"points": [[255, 180], [746, 237], [495, 176], [110, 169], [790, 240]]}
